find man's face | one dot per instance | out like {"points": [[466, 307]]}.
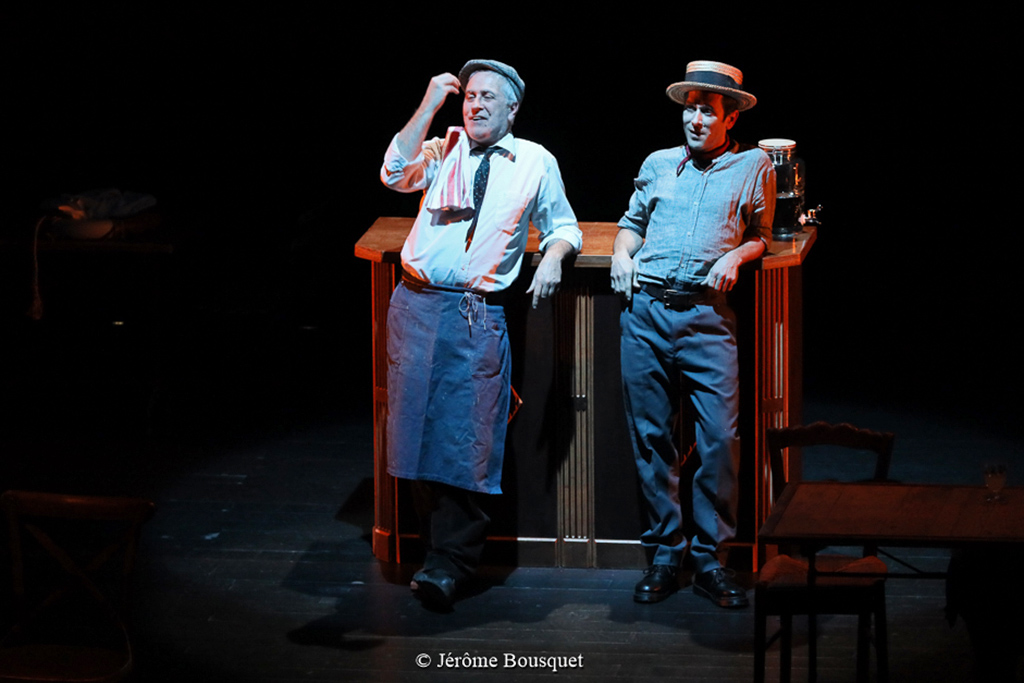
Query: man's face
{"points": [[487, 112], [705, 122]]}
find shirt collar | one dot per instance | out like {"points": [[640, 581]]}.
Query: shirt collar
{"points": [[730, 146], [505, 146]]}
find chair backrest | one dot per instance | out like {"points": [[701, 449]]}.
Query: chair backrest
{"points": [[74, 540], [824, 434]]}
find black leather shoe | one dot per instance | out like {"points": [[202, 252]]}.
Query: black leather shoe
{"points": [[716, 586], [658, 583], [435, 587]]}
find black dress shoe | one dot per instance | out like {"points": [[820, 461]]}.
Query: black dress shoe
{"points": [[716, 586], [435, 587], [658, 583]]}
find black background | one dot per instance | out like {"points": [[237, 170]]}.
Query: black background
{"points": [[261, 133]]}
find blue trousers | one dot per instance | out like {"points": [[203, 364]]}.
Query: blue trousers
{"points": [[667, 355]]}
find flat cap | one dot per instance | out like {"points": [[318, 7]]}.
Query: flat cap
{"points": [[474, 65]]}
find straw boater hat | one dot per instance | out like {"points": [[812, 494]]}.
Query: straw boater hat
{"points": [[505, 70], [713, 77]]}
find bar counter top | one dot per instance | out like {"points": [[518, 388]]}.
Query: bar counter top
{"points": [[382, 243]]}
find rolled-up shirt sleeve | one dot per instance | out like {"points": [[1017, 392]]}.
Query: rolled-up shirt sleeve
{"points": [[638, 214], [759, 221], [552, 215], [411, 175]]}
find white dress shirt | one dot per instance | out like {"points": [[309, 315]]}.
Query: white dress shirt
{"points": [[525, 186]]}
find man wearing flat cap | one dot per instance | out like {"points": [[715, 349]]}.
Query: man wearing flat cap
{"points": [[449, 366], [698, 212]]}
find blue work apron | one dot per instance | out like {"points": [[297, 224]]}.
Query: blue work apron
{"points": [[449, 378]]}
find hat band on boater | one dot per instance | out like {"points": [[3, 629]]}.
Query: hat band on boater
{"points": [[713, 78]]}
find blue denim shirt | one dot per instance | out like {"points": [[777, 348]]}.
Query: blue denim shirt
{"points": [[691, 218]]}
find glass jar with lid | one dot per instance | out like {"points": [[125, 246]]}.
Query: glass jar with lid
{"points": [[790, 179]]}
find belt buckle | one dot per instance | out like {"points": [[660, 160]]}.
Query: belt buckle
{"points": [[678, 301]]}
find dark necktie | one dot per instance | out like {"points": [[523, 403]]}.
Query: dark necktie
{"points": [[483, 171]]}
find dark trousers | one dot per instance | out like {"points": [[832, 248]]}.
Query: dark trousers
{"points": [[664, 354], [453, 527]]}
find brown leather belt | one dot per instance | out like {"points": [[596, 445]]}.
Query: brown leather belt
{"points": [[681, 300]]}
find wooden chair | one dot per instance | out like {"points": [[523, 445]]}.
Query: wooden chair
{"points": [[71, 559], [782, 587]]}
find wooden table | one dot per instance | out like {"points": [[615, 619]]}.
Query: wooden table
{"points": [[569, 478], [815, 515]]}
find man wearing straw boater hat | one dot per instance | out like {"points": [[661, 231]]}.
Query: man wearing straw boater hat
{"points": [[449, 366], [698, 212]]}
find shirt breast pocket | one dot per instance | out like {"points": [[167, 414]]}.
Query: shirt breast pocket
{"points": [[506, 209]]}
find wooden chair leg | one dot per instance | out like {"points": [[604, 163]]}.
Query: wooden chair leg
{"points": [[786, 648], [863, 646], [881, 637], [760, 639]]}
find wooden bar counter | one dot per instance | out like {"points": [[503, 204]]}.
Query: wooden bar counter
{"points": [[571, 496]]}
